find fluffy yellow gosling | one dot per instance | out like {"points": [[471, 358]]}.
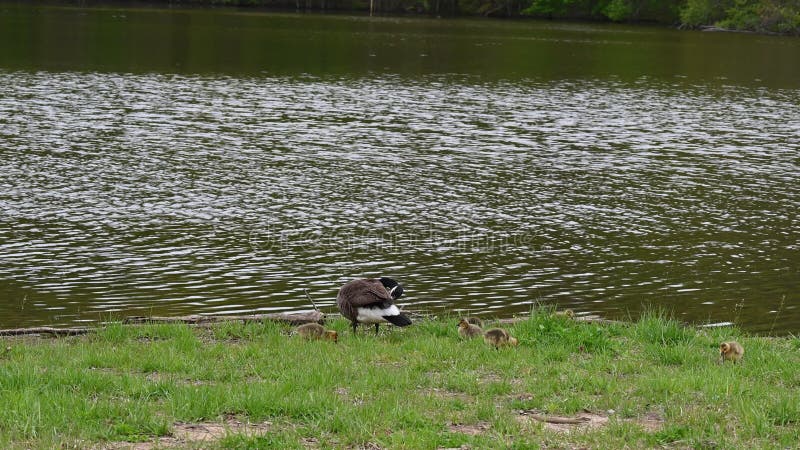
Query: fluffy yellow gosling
{"points": [[731, 351], [467, 330], [314, 331], [568, 313], [475, 321], [499, 337]]}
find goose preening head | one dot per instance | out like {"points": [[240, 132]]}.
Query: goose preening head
{"points": [[371, 300], [314, 331], [731, 351], [499, 337], [467, 330], [394, 288]]}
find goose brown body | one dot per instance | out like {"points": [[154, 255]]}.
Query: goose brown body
{"points": [[371, 300]]}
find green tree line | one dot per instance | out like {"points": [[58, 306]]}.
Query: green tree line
{"points": [[764, 16]]}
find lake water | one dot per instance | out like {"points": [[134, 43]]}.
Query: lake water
{"points": [[213, 161]]}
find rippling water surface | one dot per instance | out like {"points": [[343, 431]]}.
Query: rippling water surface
{"points": [[145, 193]]}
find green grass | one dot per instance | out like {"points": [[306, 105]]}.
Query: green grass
{"points": [[406, 388]]}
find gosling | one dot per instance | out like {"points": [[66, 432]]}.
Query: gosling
{"points": [[475, 321], [568, 313], [467, 330], [732, 351], [315, 331], [499, 337]]}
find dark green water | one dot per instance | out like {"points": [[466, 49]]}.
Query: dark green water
{"points": [[220, 161]]}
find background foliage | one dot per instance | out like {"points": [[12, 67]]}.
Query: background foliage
{"points": [[765, 16]]}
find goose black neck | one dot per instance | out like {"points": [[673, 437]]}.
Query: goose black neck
{"points": [[392, 286]]}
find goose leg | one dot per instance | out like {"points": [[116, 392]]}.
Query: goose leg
{"points": [[355, 324], [376, 329]]}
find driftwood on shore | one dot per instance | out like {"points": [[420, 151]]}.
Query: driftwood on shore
{"points": [[585, 319], [46, 330], [288, 318]]}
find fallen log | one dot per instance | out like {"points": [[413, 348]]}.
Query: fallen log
{"points": [[297, 318], [46, 330], [288, 318], [585, 319]]}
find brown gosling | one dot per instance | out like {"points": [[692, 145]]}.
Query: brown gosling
{"points": [[732, 351], [314, 331], [499, 337], [475, 321], [467, 330], [568, 313]]}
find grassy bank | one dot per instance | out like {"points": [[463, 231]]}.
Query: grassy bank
{"points": [[649, 384]]}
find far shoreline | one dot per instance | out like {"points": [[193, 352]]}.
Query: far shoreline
{"points": [[682, 19]]}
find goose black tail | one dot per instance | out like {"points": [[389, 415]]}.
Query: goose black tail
{"points": [[399, 320]]}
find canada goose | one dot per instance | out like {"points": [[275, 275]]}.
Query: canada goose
{"points": [[732, 351], [313, 331], [499, 337], [467, 330], [370, 300]]}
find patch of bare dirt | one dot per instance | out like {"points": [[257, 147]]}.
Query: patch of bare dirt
{"points": [[157, 377], [343, 391], [309, 442], [447, 394], [392, 364], [485, 378], [167, 442], [366, 446], [489, 377], [564, 424], [212, 431], [651, 422], [345, 394], [192, 434], [110, 370], [470, 429]]}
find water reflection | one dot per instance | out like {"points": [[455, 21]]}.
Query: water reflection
{"points": [[189, 41], [130, 194]]}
